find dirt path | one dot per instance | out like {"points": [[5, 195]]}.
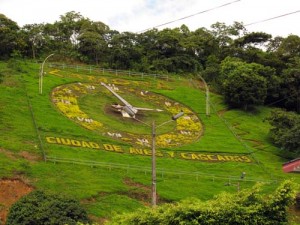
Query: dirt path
{"points": [[11, 190]]}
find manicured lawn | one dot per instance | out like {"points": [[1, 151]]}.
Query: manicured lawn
{"points": [[97, 176]]}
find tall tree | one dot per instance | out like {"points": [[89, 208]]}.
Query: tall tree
{"points": [[150, 49], [289, 47], [249, 47], [253, 39], [92, 40], [8, 36], [290, 85], [203, 45], [69, 26], [175, 52], [225, 35], [125, 53], [34, 38], [285, 131], [242, 85], [68, 29]]}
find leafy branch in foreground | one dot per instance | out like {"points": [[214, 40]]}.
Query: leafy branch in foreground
{"points": [[246, 207]]}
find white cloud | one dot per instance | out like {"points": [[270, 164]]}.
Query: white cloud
{"points": [[137, 15]]}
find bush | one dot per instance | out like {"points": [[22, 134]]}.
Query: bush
{"points": [[246, 207], [285, 131], [298, 201], [39, 208], [242, 83]]}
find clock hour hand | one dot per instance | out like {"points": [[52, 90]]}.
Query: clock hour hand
{"points": [[127, 110]]}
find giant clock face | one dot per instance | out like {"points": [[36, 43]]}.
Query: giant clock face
{"points": [[88, 104]]}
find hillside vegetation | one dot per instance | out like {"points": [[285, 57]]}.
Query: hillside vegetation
{"points": [[107, 180]]}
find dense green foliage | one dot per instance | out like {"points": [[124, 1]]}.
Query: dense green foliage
{"points": [[247, 208], [9, 40], [76, 38], [250, 69], [298, 201], [242, 83], [285, 130], [102, 187], [290, 85], [39, 208]]}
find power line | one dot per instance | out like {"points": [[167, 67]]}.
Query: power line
{"points": [[273, 18], [211, 9]]}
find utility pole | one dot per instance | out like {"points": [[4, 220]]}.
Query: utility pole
{"points": [[153, 152], [153, 165], [173, 118]]}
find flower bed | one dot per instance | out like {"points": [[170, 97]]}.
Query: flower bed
{"points": [[188, 128]]}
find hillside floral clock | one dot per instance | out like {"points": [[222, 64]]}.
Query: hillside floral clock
{"points": [[67, 99]]}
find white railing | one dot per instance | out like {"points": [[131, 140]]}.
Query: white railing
{"points": [[160, 172], [91, 69]]}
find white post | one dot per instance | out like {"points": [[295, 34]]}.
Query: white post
{"points": [[42, 74], [206, 96]]}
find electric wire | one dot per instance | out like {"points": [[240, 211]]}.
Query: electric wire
{"points": [[211, 9], [185, 17], [272, 18]]}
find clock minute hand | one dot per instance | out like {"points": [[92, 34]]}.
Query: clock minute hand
{"points": [[115, 94], [128, 108]]}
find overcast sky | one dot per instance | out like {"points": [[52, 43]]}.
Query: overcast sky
{"points": [[138, 15]]}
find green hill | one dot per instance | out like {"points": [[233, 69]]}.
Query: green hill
{"points": [[68, 140]]}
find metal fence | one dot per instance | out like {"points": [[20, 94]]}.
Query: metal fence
{"points": [[91, 69], [160, 172]]}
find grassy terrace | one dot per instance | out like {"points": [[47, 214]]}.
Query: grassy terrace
{"points": [[108, 180]]}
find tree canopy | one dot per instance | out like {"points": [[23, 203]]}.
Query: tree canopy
{"points": [[242, 83], [271, 64], [9, 40], [285, 131], [248, 68]]}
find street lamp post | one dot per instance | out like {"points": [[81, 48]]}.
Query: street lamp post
{"points": [[42, 74], [153, 135]]}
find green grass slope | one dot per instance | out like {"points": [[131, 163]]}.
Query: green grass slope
{"points": [[108, 180]]}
